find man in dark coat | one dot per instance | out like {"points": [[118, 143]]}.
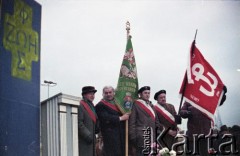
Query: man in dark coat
{"points": [[112, 124], [198, 123], [143, 122], [166, 115], [87, 122]]}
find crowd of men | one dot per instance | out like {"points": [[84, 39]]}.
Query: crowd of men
{"points": [[146, 122]]}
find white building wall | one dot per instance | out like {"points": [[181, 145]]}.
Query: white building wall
{"points": [[59, 129]]}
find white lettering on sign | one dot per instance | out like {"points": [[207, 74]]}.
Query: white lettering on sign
{"points": [[194, 98]]}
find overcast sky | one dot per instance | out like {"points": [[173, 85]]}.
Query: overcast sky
{"points": [[83, 43]]}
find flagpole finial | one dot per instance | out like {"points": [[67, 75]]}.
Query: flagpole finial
{"points": [[195, 35], [128, 28]]}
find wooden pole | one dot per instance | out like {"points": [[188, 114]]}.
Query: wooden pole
{"points": [[126, 123], [185, 77], [126, 137]]}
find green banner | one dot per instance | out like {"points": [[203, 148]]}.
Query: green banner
{"points": [[127, 86]]}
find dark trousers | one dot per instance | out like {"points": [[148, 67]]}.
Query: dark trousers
{"points": [[200, 148]]}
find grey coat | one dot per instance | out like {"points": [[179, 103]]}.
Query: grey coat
{"points": [[86, 132]]}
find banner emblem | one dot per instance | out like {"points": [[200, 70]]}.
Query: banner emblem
{"points": [[198, 72]]}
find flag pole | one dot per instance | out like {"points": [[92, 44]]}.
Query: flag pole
{"points": [[126, 123], [128, 29], [185, 78]]}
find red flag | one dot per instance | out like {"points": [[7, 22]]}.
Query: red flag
{"points": [[203, 87]]}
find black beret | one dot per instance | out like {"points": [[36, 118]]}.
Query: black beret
{"points": [[158, 93], [223, 128], [143, 88], [235, 128], [88, 89]]}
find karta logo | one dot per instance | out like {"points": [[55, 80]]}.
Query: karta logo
{"points": [[226, 143], [198, 72]]}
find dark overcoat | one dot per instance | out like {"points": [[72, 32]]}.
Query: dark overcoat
{"points": [[168, 140], [198, 123], [139, 121], [112, 130], [170, 108], [86, 132]]}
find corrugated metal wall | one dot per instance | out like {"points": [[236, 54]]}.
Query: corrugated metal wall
{"points": [[59, 129]]}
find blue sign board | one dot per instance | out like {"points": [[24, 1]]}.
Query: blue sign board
{"points": [[20, 77]]}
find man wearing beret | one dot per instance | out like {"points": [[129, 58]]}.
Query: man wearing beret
{"points": [[87, 122], [166, 114], [112, 124], [143, 123]]}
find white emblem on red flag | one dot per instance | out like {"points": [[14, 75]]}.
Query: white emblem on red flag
{"points": [[204, 88]]}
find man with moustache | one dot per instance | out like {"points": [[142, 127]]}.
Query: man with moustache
{"points": [[166, 115], [112, 124], [143, 123]]}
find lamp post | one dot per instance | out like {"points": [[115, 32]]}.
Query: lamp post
{"points": [[49, 84]]}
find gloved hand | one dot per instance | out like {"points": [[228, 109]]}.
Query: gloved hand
{"points": [[186, 114], [178, 119]]}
